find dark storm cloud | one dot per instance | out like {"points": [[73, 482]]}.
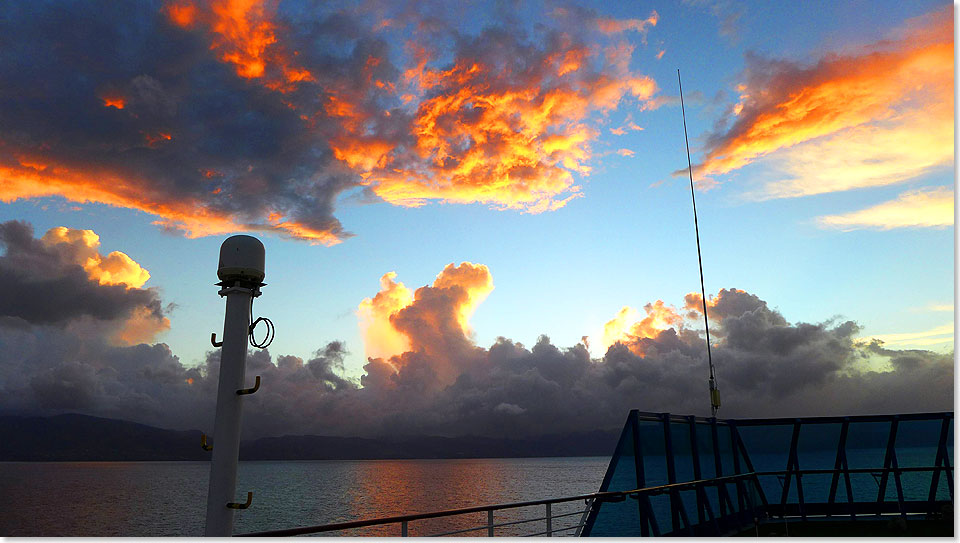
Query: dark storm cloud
{"points": [[205, 150], [765, 365], [219, 117]]}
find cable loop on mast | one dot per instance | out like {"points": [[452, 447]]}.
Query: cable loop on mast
{"points": [[271, 331]]}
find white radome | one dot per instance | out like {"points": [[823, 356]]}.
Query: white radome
{"points": [[241, 257]]}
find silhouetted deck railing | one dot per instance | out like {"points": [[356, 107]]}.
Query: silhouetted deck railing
{"points": [[794, 468]]}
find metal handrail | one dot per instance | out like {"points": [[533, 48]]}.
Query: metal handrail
{"points": [[553, 531], [596, 496], [513, 523], [422, 516]]}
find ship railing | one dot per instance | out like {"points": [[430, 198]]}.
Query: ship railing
{"points": [[556, 524], [751, 511], [554, 527]]}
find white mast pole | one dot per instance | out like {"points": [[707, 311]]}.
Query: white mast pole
{"points": [[241, 274]]}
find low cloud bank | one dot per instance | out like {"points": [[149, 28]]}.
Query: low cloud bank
{"points": [[66, 358]]}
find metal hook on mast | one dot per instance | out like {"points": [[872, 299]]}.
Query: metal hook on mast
{"points": [[245, 505], [255, 388]]}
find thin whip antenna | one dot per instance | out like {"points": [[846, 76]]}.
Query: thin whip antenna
{"points": [[714, 392]]}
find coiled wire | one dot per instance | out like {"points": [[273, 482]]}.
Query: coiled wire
{"points": [[267, 339]]}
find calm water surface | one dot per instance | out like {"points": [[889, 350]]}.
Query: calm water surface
{"points": [[169, 498]]}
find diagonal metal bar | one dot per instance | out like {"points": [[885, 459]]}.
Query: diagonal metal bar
{"points": [[895, 464], [846, 481], [791, 463], [605, 484], [887, 461], [841, 444], [709, 509], [938, 463], [749, 465]]}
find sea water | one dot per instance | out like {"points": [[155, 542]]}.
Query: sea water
{"points": [[169, 498]]}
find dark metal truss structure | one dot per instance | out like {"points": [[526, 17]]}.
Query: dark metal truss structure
{"points": [[703, 476]]}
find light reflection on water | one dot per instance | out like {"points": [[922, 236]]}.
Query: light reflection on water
{"points": [[168, 498]]}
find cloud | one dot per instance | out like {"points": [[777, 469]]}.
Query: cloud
{"points": [[874, 117], [917, 209], [506, 123], [934, 336], [655, 361], [728, 14], [81, 246], [178, 112], [626, 328], [380, 338], [226, 116], [62, 279], [616, 26], [935, 307], [434, 323], [443, 383], [629, 124]]}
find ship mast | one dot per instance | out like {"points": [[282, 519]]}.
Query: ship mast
{"points": [[714, 391]]}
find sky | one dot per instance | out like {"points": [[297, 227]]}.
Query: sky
{"points": [[468, 205]]}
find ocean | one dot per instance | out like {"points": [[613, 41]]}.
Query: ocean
{"points": [[98, 499]]}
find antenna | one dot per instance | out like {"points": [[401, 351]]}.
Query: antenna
{"points": [[714, 391]]}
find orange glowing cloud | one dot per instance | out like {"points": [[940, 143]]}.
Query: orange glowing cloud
{"points": [[509, 127], [113, 101], [115, 268], [478, 139], [245, 35], [397, 321], [615, 26], [483, 129], [142, 326], [154, 139], [628, 329], [183, 15], [193, 217], [852, 120], [380, 338], [82, 247], [474, 280]]}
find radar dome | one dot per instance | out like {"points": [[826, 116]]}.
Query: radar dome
{"points": [[241, 258]]}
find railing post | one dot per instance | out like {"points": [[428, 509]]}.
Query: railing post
{"points": [[583, 518], [403, 529], [490, 523], [549, 522]]}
